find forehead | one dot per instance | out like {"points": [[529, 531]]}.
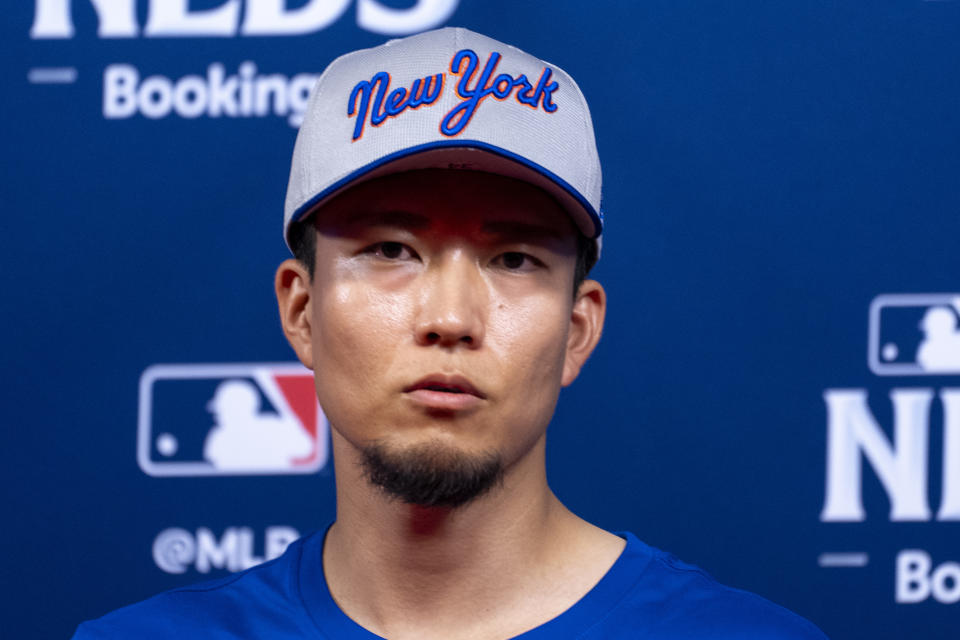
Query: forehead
{"points": [[466, 201]]}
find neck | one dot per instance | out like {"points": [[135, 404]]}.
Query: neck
{"points": [[395, 568], [382, 536]]}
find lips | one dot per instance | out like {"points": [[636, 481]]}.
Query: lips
{"points": [[445, 384], [445, 392]]}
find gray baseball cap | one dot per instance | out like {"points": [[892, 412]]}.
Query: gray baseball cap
{"points": [[448, 98]]}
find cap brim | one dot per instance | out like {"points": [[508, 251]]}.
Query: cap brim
{"points": [[466, 155]]}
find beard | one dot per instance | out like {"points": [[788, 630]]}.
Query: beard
{"points": [[431, 474]]}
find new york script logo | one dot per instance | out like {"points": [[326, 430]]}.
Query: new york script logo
{"points": [[373, 100]]}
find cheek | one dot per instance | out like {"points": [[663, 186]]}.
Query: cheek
{"points": [[356, 336], [530, 340], [532, 337]]}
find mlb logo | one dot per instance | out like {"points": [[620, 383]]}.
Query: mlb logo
{"points": [[230, 419], [914, 334]]}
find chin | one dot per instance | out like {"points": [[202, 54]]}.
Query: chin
{"points": [[432, 473]]}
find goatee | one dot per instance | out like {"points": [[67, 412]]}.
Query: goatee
{"points": [[431, 474]]}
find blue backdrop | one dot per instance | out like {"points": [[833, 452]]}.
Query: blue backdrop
{"points": [[781, 192]]}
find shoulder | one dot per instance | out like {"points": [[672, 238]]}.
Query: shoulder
{"points": [[674, 599], [263, 600]]}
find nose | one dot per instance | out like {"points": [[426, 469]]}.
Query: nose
{"points": [[453, 300]]}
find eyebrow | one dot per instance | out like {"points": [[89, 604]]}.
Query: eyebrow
{"points": [[501, 229], [526, 230], [390, 219]]}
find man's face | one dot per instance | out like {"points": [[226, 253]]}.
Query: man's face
{"points": [[441, 315]]}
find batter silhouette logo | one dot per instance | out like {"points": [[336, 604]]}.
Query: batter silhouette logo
{"points": [[915, 334], [230, 419]]}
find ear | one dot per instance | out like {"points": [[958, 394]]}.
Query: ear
{"points": [[586, 325], [292, 284]]}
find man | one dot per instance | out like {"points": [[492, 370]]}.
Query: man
{"points": [[443, 209]]}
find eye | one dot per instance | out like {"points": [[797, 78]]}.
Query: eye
{"points": [[391, 251], [517, 261]]}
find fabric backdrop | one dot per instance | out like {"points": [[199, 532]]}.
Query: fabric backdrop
{"points": [[776, 397]]}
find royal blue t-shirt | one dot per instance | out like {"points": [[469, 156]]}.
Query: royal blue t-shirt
{"points": [[646, 595]]}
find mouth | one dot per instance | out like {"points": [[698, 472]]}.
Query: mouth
{"points": [[439, 392], [445, 384]]}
